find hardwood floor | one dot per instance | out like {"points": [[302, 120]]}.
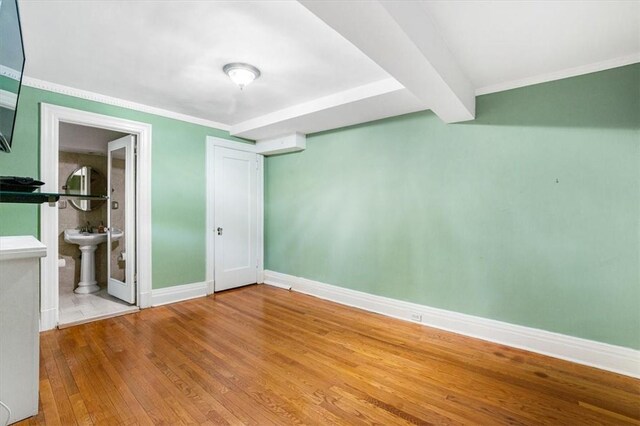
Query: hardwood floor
{"points": [[261, 355]]}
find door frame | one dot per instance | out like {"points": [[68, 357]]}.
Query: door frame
{"points": [[211, 143], [50, 118]]}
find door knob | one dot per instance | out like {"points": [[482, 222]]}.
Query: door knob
{"points": [[219, 230]]}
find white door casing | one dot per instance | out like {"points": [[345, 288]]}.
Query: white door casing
{"points": [[123, 289], [50, 118], [235, 218]]}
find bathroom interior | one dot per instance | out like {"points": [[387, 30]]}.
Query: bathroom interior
{"points": [[86, 261]]}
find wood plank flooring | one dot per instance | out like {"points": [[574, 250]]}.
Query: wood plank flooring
{"points": [[261, 356]]}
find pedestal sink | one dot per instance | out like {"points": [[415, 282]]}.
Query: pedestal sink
{"points": [[88, 243]]}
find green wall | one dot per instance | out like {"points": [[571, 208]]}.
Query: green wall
{"points": [[178, 188], [528, 214], [9, 84]]}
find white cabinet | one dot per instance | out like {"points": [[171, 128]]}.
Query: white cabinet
{"points": [[19, 318]]}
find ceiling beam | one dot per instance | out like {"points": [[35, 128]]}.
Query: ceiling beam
{"points": [[381, 99], [402, 39]]}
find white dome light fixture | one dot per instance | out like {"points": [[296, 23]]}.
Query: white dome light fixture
{"points": [[241, 74]]}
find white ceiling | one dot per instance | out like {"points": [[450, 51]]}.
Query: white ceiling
{"points": [[169, 54], [502, 41]]}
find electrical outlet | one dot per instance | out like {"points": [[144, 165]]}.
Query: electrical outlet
{"points": [[416, 317]]}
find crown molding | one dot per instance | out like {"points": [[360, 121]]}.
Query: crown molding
{"points": [[8, 99], [10, 73], [109, 100], [559, 75]]}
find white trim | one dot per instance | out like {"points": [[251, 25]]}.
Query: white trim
{"points": [[269, 280], [238, 146], [50, 118], [178, 293], [260, 220], [280, 280], [211, 143], [209, 219], [292, 142], [582, 351], [8, 99], [9, 72], [110, 100], [255, 126], [558, 75], [144, 299], [48, 317], [124, 289]]}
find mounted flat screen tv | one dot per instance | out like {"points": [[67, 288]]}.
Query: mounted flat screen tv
{"points": [[11, 68]]}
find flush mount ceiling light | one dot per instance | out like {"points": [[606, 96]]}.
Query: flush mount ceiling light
{"points": [[241, 74]]}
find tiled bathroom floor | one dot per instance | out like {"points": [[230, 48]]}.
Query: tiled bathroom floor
{"points": [[79, 308]]}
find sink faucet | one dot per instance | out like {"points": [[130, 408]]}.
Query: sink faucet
{"points": [[87, 228]]}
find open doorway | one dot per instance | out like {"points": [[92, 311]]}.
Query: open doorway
{"points": [[125, 147], [96, 244]]}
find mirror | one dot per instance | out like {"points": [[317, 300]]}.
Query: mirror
{"points": [[11, 66], [86, 180]]}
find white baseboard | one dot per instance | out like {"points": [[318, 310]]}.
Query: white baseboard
{"points": [[177, 293], [582, 351], [280, 281]]}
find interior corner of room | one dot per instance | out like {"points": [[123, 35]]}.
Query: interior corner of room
{"points": [[456, 165]]}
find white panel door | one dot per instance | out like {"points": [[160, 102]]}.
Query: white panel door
{"points": [[236, 218], [121, 219]]}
